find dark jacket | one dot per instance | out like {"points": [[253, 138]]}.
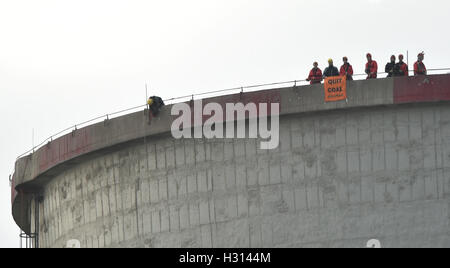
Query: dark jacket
{"points": [[331, 71], [391, 69], [156, 105]]}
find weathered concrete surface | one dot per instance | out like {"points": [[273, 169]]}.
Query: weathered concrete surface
{"points": [[344, 173]]}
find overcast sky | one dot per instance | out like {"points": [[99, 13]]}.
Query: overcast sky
{"points": [[63, 62]]}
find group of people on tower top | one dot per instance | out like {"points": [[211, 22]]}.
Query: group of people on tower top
{"points": [[392, 68]]}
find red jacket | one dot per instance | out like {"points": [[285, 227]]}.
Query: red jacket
{"points": [[347, 68], [315, 76], [419, 68], [371, 67], [403, 68]]}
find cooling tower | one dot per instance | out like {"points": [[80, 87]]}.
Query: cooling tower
{"points": [[376, 166]]}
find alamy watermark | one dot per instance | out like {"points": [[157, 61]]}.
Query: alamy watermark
{"points": [[230, 115]]}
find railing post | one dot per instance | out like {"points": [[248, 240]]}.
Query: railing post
{"points": [[192, 100], [73, 131]]}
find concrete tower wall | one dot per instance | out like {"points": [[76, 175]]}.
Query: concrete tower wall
{"points": [[336, 180]]}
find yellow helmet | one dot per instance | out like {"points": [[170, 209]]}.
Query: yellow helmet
{"points": [[330, 61], [150, 101]]}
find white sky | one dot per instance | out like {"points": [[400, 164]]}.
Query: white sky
{"points": [[64, 62]]}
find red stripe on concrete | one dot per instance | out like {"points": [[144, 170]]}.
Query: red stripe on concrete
{"points": [[64, 148], [422, 88]]}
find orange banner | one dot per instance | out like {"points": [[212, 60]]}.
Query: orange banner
{"points": [[335, 88]]}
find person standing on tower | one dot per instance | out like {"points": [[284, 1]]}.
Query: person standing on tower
{"points": [[346, 69], [315, 75], [330, 70], [419, 67], [402, 68], [391, 67], [371, 67]]}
